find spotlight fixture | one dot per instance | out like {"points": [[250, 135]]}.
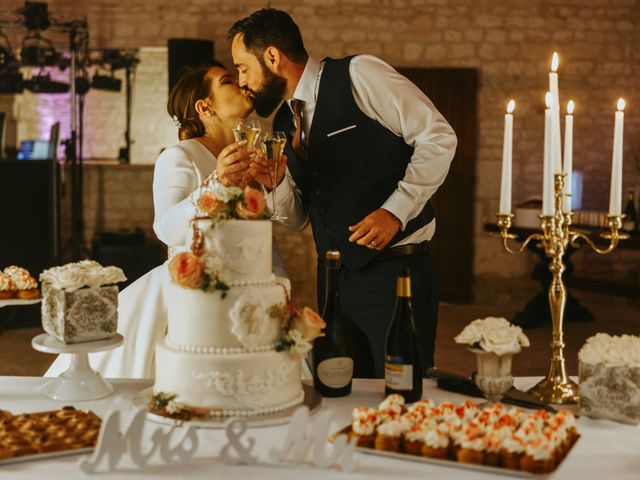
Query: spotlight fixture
{"points": [[38, 52], [36, 16], [11, 82], [106, 82], [42, 83]]}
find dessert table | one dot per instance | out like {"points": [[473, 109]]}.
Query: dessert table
{"points": [[606, 449]]}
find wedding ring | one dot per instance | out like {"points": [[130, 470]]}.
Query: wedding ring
{"points": [[372, 242]]}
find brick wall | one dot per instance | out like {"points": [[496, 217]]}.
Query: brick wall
{"points": [[509, 42]]}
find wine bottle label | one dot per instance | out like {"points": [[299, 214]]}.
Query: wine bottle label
{"points": [[398, 376], [336, 372]]}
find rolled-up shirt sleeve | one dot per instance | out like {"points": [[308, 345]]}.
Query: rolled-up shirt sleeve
{"points": [[175, 191], [396, 103]]}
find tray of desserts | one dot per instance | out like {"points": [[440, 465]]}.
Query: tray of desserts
{"points": [[18, 287], [45, 435], [495, 439]]}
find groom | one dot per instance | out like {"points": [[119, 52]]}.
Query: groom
{"points": [[366, 150]]}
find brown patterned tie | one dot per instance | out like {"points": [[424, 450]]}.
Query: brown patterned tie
{"points": [[296, 142]]}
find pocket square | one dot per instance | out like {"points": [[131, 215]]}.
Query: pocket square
{"points": [[350, 127]]}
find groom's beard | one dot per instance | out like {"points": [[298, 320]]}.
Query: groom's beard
{"points": [[267, 99]]}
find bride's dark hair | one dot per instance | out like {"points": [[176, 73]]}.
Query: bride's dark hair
{"points": [[193, 85]]}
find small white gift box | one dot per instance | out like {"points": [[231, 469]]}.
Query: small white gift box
{"points": [[83, 315]]}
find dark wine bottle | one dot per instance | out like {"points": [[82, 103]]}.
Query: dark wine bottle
{"points": [[333, 353], [630, 221], [403, 362]]}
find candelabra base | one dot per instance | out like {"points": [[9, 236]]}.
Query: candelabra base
{"points": [[554, 390]]}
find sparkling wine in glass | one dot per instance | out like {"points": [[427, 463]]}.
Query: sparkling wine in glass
{"points": [[273, 147], [249, 130]]}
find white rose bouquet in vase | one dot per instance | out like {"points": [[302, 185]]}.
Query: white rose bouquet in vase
{"points": [[494, 342]]}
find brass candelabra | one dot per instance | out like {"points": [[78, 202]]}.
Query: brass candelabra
{"points": [[556, 235]]}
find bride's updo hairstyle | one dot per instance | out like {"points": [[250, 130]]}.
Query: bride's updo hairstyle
{"points": [[193, 85]]}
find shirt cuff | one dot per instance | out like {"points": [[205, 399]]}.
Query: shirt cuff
{"points": [[400, 206]]}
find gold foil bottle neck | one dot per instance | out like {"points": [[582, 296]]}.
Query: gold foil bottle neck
{"points": [[404, 287], [333, 255]]}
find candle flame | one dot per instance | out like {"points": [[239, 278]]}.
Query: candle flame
{"points": [[554, 62], [511, 106], [620, 104], [570, 107], [548, 99]]}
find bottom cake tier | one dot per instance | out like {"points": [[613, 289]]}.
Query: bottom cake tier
{"points": [[230, 384]]}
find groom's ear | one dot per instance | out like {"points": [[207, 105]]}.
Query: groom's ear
{"points": [[273, 58]]}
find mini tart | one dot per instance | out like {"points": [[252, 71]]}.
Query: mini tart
{"points": [[472, 450], [512, 452], [436, 443], [363, 427], [538, 457], [413, 439], [492, 450], [29, 294], [389, 436], [7, 289]]}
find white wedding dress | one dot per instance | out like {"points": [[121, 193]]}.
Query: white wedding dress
{"points": [[142, 313]]}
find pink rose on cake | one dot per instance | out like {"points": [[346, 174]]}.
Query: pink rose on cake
{"points": [[308, 323], [187, 270], [252, 205], [210, 204]]}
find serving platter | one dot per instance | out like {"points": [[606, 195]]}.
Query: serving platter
{"points": [[48, 455], [451, 463]]}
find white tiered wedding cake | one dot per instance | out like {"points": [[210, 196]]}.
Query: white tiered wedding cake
{"points": [[233, 344]]}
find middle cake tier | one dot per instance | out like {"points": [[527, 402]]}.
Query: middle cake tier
{"points": [[205, 322]]}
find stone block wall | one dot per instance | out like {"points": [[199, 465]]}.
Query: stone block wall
{"points": [[509, 42]]}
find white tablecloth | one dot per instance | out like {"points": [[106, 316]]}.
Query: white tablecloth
{"points": [[607, 450]]}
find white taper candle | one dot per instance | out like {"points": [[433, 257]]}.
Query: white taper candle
{"points": [[615, 197], [547, 172], [555, 115], [567, 160], [507, 161]]}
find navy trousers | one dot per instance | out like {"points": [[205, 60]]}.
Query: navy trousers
{"points": [[367, 299]]}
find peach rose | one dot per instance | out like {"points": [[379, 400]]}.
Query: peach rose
{"points": [[186, 270], [210, 204], [308, 323], [252, 205]]}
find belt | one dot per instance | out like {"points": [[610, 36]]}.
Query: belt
{"points": [[400, 251]]}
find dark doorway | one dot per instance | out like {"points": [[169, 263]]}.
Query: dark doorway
{"points": [[454, 93]]}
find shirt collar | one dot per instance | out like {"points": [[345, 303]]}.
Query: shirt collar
{"points": [[306, 88]]}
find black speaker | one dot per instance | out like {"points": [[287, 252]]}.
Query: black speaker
{"points": [[187, 52]]}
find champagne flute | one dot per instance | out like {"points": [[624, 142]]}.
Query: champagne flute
{"points": [[249, 130], [273, 146]]}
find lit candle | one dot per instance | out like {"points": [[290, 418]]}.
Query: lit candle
{"points": [[615, 198], [555, 115], [507, 156], [547, 173], [567, 160]]}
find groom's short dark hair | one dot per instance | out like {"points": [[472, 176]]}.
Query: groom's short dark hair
{"points": [[271, 27]]}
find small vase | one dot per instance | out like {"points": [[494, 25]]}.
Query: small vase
{"points": [[494, 373]]}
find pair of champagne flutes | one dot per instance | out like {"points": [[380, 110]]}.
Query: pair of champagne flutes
{"points": [[272, 145]]}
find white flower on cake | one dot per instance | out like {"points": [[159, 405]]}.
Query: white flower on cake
{"points": [[612, 351], [493, 334], [226, 194]]}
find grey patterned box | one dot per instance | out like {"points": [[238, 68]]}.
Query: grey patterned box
{"points": [[83, 315], [610, 392]]}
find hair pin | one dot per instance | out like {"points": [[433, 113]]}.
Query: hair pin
{"points": [[176, 122]]}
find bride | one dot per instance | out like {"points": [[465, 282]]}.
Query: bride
{"points": [[204, 104]]}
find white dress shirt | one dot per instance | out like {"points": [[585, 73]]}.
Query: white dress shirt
{"points": [[397, 104]]}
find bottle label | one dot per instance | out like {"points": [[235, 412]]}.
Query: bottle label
{"points": [[398, 376], [336, 372]]}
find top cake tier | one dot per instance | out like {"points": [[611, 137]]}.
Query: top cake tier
{"points": [[241, 247]]}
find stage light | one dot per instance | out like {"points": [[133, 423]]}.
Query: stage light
{"points": [[11, 82], [36, 16], [106, 82], [43, 84], [38, 51]]}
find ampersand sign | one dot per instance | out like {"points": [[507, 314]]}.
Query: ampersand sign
{"points": [[235, 430]]}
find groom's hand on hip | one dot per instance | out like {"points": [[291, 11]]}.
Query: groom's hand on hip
{"points": [[375, 230]]}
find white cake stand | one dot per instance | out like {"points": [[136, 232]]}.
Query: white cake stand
{"points": [[79, 382]]}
